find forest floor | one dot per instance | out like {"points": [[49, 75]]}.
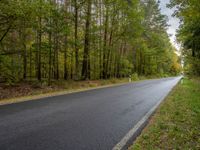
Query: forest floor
{"points": [[24, 91], [176, 123]]}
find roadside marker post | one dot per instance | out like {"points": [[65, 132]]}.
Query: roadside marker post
{"points": [[129, 79]]}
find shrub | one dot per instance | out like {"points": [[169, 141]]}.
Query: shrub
{"points": [[134, 77]]}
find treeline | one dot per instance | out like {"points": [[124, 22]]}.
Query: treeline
{"points": [[83, 39], [189, 33]]}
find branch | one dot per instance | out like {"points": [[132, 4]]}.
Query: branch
{"points": [[12, 52], [4, 35]]}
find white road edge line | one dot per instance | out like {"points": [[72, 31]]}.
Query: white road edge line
{"points": [[131, 133]]}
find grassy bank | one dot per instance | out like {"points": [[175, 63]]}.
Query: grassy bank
{"points": [[176, 124]]}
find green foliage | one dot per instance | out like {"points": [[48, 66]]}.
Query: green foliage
{"points": [[47, 40], [192, 66], [9, 70], [134, 77], [189, 33], [126, 67]]}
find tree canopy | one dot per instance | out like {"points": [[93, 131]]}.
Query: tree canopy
{"points": [[189, 33], [91, 39]]}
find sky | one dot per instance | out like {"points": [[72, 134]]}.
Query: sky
{"points": [[173, 21]]}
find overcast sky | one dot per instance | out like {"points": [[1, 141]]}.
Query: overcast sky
{"points": [[173, 22]]}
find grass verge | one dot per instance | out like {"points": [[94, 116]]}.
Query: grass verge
{"points": [[176, 124]]}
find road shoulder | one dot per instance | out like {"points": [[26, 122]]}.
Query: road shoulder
{"points": [[175, 125], [61, 92]]}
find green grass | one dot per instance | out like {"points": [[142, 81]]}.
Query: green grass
{"points": [[176, 124]]}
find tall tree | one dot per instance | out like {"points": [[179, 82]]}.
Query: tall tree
{"points": [[86, 56]]}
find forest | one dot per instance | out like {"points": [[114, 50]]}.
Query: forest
{"points": [[188, 35], [50, 40]]}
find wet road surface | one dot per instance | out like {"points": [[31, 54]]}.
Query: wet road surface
{"points": [[90, 120]]}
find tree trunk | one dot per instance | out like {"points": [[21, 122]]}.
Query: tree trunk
{"points": [[25, 62], [30, 65], [76, 41], [65, 60], [50, 57], [105, 44], [65, 41], [86, 57], [39, 50], [24, 51]]}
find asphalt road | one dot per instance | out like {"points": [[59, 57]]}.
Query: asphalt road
{"points": [[91, 120]]}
